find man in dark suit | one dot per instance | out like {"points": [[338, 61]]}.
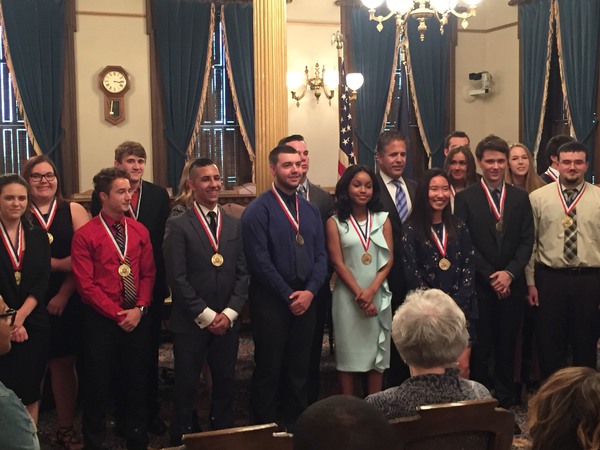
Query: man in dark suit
{"points": [[500, 222], [324, 202], [396, 196], [206, 269], [149, 206], [551, 173]]}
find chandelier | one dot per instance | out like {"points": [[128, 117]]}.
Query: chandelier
{"points": [[323, 82], [422, 10]]}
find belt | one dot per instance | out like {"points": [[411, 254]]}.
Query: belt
{"points": [[571, 270]]}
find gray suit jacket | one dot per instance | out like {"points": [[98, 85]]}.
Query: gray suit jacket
{"points": [[195, 283], [322, 199]]}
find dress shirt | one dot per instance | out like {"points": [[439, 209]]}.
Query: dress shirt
{"points": [[548, 214], [391, 187], [96, 262], [206, 317], [306, 190], [553, 171]]}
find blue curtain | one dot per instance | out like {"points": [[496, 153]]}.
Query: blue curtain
{"points": [[182, 33], [237, 18], [373, 57], [429, 65], [578, 40], [35, 34], [534, 31]]}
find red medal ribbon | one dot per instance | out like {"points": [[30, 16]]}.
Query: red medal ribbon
{"points": [[550, 175], [365, 238], [122, 254], [564, 202], [295, 223], [15, 254], [441, 245], [45, 224], [135, 213], [214, 241], [497, 213]]}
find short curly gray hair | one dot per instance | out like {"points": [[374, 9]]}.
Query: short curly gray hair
{"points": [[429, 329]]}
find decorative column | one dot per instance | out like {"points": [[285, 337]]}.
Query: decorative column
{"points": [[270, 92]]}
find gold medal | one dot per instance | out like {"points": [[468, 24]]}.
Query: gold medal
{"points": [[217, 260], [18, 277], [299, 239], [50, 238], [124, 270], [499, 227], [567, 222], [444, 263], [366, 258]]}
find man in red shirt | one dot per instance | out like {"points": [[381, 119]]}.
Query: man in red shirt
{"points": [[114, 274]]}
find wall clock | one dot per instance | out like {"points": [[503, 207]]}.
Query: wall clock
{"points": [[114, 84]]}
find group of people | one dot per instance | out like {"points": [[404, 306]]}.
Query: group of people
{"points": [[484, 245]]}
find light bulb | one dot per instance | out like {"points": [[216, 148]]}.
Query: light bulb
{"points": [[331, 79], [400, 6], [372, 4], [355, 81], [294, 80]]}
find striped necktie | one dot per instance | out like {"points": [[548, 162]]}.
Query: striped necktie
{"points": [[128, 282], [401, 203]]}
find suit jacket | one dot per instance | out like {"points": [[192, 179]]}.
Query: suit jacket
{"points": [[153, 214], [195, 283], [322, 199], [396, 280], [509, 250]]}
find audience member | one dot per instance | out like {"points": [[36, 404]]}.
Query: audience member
{"points": [[185, 197], [430, 332], [24, 274], [206, 269], [359, 240], [60, 219], [565, 413], [342, 422], [551, 174], [454, 140], [460, 167], [500, 223], [519, 171], [114, 274], [437, 251], [285, 249]]}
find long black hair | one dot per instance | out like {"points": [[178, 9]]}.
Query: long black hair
{"points": [[343, 205]]}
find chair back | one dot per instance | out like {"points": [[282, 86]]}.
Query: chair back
{"points": [[470, 424], [254, 437]]}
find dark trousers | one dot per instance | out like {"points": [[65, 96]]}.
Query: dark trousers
{"points": [[497, 328], [190, 351], [108, 351], [282, 344], [323, 304], [568, 314], [155, 319]]}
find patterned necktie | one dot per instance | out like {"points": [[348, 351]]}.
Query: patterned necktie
{"points": [[128, 282], [302, 191], [570, 245], [496, 197], [401, 203], [212, 223]]}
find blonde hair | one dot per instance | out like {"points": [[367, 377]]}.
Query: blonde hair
{"points": [[185, 195], [532, 179]]}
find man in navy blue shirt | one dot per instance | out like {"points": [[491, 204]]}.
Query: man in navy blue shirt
{"points": [[285, 251]]}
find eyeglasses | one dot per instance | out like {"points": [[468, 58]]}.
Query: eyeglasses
{"points": [[12, 313], [37, 177]]}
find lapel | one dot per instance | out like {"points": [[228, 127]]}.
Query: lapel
{"points": [[198, 229], [387, 200], [145, 202], [489, 218]]}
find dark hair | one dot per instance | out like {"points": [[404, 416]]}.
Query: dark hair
{"points": [[274, 154], [471, 176], [420, 215], [129, 148], [103, 180], [570, 147], [292, 138], [199, 162], [343, 205], [491, 142], [342, 421], [27, 169], [455, 134], [554, 143], [14, 178], [387, 137]]}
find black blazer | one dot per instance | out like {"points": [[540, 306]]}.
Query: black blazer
{"points": [[322, 199], [195, 282], [509, 250], [154, 212]]}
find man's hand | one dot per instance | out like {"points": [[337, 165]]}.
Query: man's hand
{"points": [[57, 305], [532, 296], [219, 325], [301, 301], [501, 283], [131, 319]]}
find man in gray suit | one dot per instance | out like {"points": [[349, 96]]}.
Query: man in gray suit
{"points": [[324, 202], [206, 270]]}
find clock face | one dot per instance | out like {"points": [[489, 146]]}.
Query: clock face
{"points": [[114, 81]]}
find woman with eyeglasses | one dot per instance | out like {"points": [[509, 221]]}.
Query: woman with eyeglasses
{"points": [[24, 274], [59, 219]]}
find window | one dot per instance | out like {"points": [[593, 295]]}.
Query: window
{"points": [[220, 137]]}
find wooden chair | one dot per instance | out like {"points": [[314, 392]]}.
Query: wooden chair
{"points": [[466, 425], [255, 437]]}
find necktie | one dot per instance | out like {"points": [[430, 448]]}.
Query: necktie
{"points": [[302, 191], [570, 240], [212, 223], [128, 283], [401, 203], [496, 197]]}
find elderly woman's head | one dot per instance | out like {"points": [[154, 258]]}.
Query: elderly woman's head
{"points": [[429, 329]]}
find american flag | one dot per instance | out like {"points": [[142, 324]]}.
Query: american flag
{"points": [[346, 152]]}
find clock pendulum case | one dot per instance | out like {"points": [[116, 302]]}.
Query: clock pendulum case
{"points": [[114, 84]]}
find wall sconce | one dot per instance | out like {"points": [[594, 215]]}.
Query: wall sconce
{"points": [[354, 81], [322, 83]]}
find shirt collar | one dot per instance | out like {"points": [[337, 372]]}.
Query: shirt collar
{"points": [[205, 210], [387, 179], [579, 187], [286, 197], [110, 221]]}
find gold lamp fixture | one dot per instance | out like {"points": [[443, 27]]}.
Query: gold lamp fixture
{"points": [[422, 10], [323, 82]]}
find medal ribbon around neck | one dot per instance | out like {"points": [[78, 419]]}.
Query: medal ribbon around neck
{"points": [[214, 241], [295, 223], [551, 175], [365, 237], [443, 244], [497, 213], [452, 191], [45, 224], [136, 213], [568, 209], [15, 254], [122, 254]]}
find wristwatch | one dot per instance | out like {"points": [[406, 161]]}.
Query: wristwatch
{"points": [[143, 310]]}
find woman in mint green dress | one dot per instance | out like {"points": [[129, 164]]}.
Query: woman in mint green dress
{"points": [[359, 241]]}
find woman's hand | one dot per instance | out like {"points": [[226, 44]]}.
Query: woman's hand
{"points": [[57, 304], [19, 334]]}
